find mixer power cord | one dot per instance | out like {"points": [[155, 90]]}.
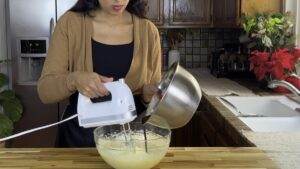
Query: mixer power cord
{"points": [[37, 129]]}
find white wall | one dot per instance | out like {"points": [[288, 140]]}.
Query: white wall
{"points": [[3, 48], [294, 7]]}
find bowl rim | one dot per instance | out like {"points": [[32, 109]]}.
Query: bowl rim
{"points": [[119, 140]]}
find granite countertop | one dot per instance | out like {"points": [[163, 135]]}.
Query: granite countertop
{"points": [[283, 148], [213, 86]]}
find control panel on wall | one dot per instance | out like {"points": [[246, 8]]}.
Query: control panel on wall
{"points": [[31, 56]]}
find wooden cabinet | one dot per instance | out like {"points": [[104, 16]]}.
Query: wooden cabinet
{"points": [[155, 11], [190, 135], [226, 13], [190, 12], [208, 128], [206, 13], [35, 114], [250, 7]]}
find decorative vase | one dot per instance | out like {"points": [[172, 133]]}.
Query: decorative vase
{"points": [[173, 57]]}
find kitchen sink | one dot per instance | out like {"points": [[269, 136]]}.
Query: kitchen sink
{"points": [[272, 124], [265, 114], [258, 106]]}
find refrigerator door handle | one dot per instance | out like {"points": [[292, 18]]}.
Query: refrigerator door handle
{"points": [[52, 26]]}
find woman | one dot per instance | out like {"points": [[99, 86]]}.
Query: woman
{"points": [[96, 42]]}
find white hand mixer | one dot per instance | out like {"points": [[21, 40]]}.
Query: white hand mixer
{"points": [[116, 108]]}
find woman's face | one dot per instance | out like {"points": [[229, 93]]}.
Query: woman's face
{"points": [[114, 7]]}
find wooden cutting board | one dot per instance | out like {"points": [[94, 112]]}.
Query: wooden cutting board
{"points": [[177, 158]]}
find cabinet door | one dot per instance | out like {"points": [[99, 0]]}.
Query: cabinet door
{"points": [[35, 114], [155, 10], [226, 13], [190, 12], [250, 7]]}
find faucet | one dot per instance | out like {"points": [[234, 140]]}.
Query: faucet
{"points": [[276, 83]]}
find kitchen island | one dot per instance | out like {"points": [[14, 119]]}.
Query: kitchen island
{"points": [[177, 158]]}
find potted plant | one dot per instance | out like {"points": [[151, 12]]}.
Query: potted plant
{"points": [[274, 55], [10, 108], [174, 37]]}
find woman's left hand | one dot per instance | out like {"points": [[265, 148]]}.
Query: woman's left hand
{"points": [[148, 91]]}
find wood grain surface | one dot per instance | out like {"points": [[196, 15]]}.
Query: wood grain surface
{"points": [[177, 158]]}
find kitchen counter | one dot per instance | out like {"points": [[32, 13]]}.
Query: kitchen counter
{"points": [[181, 158], [283, 148], [213, 86]]}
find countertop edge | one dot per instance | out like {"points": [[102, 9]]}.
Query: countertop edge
{"points": [[211, 103]]}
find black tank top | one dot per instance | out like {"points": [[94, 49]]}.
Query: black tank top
{"points": [[112, 60]]}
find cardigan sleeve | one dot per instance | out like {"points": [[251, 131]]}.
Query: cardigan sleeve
{"points": [[55, 84], [156, 55], [155, 58]]}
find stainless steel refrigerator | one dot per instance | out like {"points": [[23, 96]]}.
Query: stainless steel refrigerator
{"points": [[30, 24]]}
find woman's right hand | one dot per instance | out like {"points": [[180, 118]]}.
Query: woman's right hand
{"points": [[90, 84]]}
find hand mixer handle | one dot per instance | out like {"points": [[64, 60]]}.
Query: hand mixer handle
{"points": [[102, 99]]}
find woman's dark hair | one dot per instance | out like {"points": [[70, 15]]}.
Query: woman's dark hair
{"points": [[136, 7]]}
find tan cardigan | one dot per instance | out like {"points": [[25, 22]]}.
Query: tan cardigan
{"points": [[70, 50]]}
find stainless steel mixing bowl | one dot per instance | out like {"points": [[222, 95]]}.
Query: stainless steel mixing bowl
{"points": [[177, 99]]}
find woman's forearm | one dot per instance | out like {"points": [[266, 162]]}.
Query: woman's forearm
{"points": [[53, 88]]}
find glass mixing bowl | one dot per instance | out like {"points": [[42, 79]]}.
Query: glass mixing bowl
{"points": [[132, 151]]}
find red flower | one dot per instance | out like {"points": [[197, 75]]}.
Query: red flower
{"points": [[257, 63], [260, 72], [284, 57], [296, 54], [291, 79], [276, 65], [294, 81], [282, 90], [277, 72], [258, 58]]}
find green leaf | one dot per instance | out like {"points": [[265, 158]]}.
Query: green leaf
{"points": [[249, 24], [3, 79], [6, 126], [7, 95], [270, 30], [267, 41], [13, 109]]}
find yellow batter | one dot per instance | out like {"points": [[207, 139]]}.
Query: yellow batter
{"points": [[133, 156]]}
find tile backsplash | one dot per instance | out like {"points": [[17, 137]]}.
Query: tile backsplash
{"points": [[197, 45]]}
